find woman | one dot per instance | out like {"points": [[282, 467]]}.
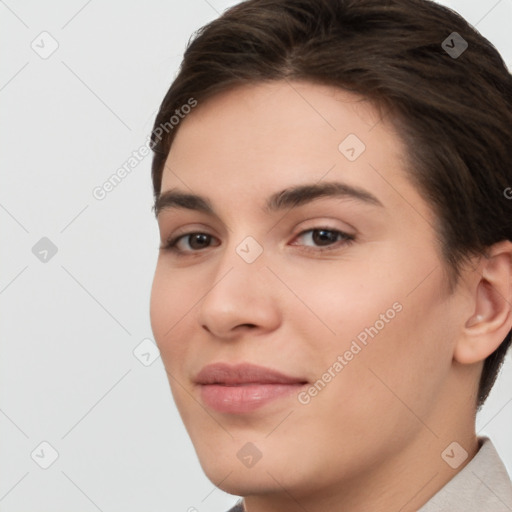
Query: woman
{"points": [[332, 298]]}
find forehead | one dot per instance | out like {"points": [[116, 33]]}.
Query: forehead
{"points": [[282, 115], [252, 140]]}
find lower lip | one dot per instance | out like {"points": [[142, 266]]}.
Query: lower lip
{"points": [[244, 398]]}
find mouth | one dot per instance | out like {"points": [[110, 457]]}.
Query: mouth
{"points": [[244, 387]]}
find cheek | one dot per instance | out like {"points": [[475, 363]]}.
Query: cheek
{"points": [[392, 336], [373, 394], [161, 302], [169, 306], [351, 293], [344, 302], [402, 363], [171, 301]]}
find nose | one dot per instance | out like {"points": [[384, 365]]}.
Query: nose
{"points": [[241, 296]]}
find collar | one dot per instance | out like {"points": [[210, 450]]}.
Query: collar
{"points": [[483, 484]]}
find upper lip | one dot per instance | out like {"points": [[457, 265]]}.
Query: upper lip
{"points": [[244, 373]]}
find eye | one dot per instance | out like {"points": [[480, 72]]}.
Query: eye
{"points": [[196, 241], [325, 239]]}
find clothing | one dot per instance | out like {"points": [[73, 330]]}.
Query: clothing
{"points": [[238, 507], [483, 485]]}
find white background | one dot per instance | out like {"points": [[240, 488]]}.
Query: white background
{"points": [[68, 375]]}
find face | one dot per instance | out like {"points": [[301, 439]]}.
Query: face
{"points": [[340, 289]]}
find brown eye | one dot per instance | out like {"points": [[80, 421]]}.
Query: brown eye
{"points": [[198, 240], [195, 242], [325, 237]]}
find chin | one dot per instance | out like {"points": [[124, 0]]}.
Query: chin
{"points": [[244, 482]]}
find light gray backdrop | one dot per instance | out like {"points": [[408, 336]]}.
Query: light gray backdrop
{"points": [[80, 82]]}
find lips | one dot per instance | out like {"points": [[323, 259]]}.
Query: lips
{"points": [[244, 387], [222, 373]]}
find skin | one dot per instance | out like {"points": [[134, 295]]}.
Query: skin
{"points": [[372, 438]]}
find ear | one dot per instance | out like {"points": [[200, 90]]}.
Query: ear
{"points": [[491, 317]]}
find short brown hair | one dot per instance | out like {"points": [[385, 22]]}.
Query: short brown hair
{"points": [[454, 112]]}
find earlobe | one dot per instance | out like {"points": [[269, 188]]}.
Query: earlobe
{"points": [[491, 317]]}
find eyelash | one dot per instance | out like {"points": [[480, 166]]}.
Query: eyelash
{"points": [[170, 245]]}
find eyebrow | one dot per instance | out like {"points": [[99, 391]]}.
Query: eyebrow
{"points": [[291, 197]]}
